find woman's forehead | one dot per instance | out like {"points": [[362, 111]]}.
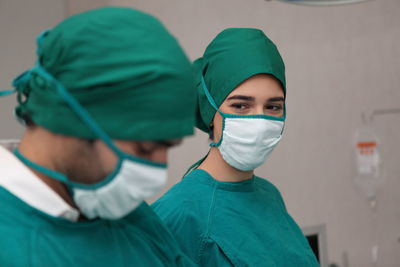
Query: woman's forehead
{"points": [[261, 85]]}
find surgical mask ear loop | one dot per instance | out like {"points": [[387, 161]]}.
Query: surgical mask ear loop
{"points": [[212, 102], [57, 176], [7, 92], [214, 105], [195, 165]]}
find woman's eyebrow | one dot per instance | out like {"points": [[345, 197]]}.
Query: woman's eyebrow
{"points": [[276, 99], [241, 97]]}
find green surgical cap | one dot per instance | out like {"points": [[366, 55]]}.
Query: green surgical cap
{"points": [[235, 55], [123, 67]]}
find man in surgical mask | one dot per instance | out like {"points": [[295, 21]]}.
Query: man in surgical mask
{"points": [[110, 92]]}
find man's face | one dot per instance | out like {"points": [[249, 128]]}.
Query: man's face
{"points": [[92, 161]]}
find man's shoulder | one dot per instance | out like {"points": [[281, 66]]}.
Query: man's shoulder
{"points": [[15, 215], [15, 230], [11, 206]]}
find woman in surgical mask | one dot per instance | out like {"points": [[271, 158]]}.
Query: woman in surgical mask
{"points": [[221, 213]]}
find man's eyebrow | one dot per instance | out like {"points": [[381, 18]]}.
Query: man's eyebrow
{"points": [[241, 97], [169, 143]]}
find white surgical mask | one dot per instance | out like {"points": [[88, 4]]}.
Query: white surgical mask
{"points": [[247, 140], [133, 179], [133, 182], [246, 143]]}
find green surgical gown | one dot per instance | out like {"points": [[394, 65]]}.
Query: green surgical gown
{"points": [[233, 224], [29, 237]]}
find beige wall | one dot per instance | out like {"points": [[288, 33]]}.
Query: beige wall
{"points": [[20, 22], [340, 61], [76, 6]]}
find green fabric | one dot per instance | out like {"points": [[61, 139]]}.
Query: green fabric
{"points": [[32, 238], [232, 57], [123, 67], [233, 224]]}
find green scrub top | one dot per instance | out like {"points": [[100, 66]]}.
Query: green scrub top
{"points": [[30, 237], [233, 223]]}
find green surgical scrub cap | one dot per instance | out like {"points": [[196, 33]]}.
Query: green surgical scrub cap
{"points": [[235, 55], [122, 66]]}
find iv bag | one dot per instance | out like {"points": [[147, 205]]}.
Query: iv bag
{"points": [[368, 161]]}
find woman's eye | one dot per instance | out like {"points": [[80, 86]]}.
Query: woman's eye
{"points": [[274, 107], [239, 106]]}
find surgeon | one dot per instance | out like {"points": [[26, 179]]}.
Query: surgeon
{"points": [[111, 91], [221, 213]]}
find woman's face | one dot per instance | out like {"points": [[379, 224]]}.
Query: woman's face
{"points": [[260, 94]]}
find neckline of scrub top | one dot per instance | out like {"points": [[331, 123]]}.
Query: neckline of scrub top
{"points": [[206, 178], [140, 213], [20, 181]]}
